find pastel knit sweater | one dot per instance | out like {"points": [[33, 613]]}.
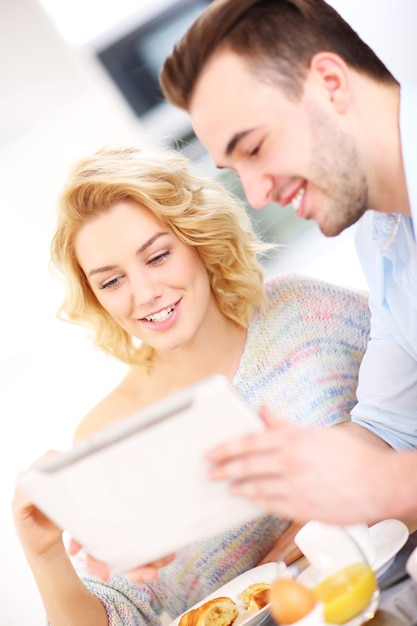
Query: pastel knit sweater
{"points": [[301, 358]]}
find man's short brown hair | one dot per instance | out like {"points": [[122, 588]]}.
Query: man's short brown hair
{"points": [[277, 38]]}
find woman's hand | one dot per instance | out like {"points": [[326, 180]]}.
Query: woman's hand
{"points": [[36, 532], [140, 574], [65, 597]]}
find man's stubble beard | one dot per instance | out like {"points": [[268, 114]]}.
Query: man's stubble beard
{"points": [[336, 171]]}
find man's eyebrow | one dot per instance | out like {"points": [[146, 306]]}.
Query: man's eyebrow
{"points": [[235, 140], [142, 248]]}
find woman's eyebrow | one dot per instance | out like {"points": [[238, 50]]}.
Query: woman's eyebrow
{"points": [[151, 241], [142, 248]]}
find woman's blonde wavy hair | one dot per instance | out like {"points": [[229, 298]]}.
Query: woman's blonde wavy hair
{"points": [[198, 210]]}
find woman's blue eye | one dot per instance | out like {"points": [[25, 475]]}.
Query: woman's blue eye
{"points": [[156, 260], [159, 258], [110, 284]]}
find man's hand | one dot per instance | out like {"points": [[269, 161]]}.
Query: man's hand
{"points": [[336, 474]]}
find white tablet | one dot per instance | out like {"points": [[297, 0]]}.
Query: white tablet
{"points": [[136, 490]]}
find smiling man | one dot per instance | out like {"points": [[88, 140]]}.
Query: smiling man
{"points": [[287, 95], [284, 151]]}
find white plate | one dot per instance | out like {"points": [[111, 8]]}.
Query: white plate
{"points": [[266, 573], [388, 537]]}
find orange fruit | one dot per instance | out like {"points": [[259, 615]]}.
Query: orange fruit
{"points": [[290, 600]]}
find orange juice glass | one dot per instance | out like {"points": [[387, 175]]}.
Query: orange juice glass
{"points": [[348, 593], [336, 568]]}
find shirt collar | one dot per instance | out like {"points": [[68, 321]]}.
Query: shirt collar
{"points": [[385, 228]]}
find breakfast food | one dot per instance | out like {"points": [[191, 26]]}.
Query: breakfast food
{"points": [[256, 596], [290, 601], [217, 612], [223, 611]]}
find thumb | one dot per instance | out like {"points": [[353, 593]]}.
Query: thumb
{"points": [[74, 547], [268, 417]]}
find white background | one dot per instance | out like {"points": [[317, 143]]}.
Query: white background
{"points": [[56, 105]]}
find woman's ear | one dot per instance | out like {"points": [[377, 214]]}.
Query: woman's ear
{"points": [[331, 73]]}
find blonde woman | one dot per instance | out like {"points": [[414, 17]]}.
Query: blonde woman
{"points": [[162, 266]]}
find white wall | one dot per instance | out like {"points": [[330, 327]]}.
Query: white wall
{"points": [[55, 106]]}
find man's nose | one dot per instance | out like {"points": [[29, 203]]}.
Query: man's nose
{"points": [[258, 189]]}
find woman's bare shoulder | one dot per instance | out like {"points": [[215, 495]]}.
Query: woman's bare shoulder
{"points": [[123, 400]]}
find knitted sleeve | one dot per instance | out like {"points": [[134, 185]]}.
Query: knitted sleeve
{"points": [[126, 603]]}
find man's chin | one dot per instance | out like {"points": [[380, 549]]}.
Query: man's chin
{"points": [[331, 230]]}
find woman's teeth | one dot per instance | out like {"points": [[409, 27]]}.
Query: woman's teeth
{"points": [[296, 201], [161, 315]]}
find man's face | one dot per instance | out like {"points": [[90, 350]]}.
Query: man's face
{"points": [[287, 151]]}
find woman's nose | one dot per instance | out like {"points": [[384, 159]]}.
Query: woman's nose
{"points": [[145, 290]]}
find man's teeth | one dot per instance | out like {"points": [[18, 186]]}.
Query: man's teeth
{"points": [[161, 315], [296, 201]]}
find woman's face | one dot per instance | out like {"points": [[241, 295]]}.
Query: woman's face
{"points": [[154, 285]]}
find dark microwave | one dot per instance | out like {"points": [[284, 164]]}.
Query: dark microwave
{"points": [[134, 60]]}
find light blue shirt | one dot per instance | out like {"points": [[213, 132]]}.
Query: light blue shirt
{"points": [[387, 249]]}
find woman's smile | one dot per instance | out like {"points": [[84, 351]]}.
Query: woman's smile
{"points": [[162, 319]]}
